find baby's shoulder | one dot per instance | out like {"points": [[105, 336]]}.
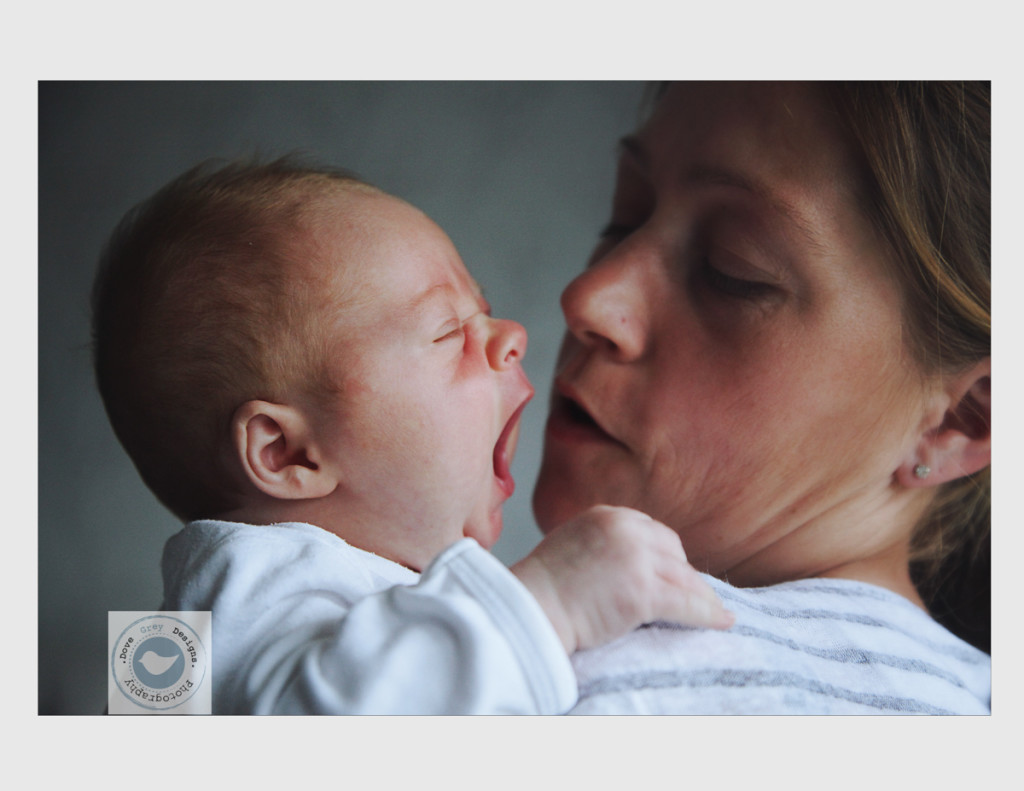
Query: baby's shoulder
{"points": [[286, 558]]}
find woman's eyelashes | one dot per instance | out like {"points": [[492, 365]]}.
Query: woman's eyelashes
{"points": [[730, 286], [708, 274]]}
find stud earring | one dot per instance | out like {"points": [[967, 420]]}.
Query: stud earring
{"points": [[922, 470]]}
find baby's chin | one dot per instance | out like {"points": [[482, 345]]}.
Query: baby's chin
{"points": [[486, 531]]}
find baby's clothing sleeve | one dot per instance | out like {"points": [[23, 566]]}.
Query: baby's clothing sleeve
{"points": [[303, 623]]}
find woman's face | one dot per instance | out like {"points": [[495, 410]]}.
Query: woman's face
{"points": [[734, 363]]}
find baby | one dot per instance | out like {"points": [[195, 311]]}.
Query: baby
{"points": [[303, 371]]}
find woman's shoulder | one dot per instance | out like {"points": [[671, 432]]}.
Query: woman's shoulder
{"points": [[811, 646], [867, 615]]}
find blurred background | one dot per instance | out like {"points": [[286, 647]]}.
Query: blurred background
{"points": [[518, 174]]}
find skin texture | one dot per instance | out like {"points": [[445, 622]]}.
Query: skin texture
{"points": [[734, 363]]}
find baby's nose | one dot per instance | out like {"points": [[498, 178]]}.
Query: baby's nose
{"points": [[507, 344]]}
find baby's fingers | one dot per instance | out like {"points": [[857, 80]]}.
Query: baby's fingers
{"points": [[691, 601]]}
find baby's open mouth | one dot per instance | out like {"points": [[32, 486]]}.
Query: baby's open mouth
{"points": [[505, 450]]}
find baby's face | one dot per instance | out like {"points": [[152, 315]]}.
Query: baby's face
{"points": [[432, 386]]}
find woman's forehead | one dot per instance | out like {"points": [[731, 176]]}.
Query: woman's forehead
{"points": [[776, 144], [780, 132]]}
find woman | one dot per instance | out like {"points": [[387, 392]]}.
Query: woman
{"points": [[780, 348]]}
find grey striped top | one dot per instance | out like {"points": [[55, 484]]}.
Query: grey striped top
{"points": [[816, 646]]}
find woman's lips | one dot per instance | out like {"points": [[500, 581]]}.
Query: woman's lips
{"points": [[569, 421]]}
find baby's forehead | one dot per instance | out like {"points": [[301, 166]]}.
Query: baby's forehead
{"points": [[352, 213], [379, 247], [350, 203], [356, 220], [335, 223]]}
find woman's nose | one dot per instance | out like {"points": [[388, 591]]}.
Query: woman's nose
{"points": [[507, 344], [605, 308]]}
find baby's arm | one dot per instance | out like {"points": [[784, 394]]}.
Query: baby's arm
{"points": [[610, 570]]}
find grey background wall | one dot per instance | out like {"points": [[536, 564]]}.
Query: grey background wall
{"points": [[518, 174]]}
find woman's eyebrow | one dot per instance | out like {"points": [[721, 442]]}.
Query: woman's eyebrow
{"points": [[711, 175], [701, 174], [716, 176]]}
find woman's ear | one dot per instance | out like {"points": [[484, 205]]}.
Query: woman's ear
{"points": [[274, 445], [961, 444]]}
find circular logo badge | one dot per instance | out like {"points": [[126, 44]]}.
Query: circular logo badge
{"points": [[159, 662]]}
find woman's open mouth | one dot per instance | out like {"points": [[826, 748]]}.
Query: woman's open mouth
{"points": [[577, 414], [570, 421]]}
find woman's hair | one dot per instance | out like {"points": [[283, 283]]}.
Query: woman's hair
{"points": [[925, 149], [197, 308]]}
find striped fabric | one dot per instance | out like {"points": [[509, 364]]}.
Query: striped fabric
{"points": [[818, 646]]}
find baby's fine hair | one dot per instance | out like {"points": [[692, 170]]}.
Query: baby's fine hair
{"points": [[202, 302]]}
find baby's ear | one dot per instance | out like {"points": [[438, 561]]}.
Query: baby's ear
{"points": [[274, 445], [961, 442]]}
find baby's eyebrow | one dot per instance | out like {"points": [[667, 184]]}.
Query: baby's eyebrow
{"points": [[430, 294], [444, 293], [423, 304]]}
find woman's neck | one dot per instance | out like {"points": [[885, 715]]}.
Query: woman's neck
{"points": [[889, 569]]}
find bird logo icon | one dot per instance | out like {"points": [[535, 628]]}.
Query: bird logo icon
{"points": [[158, 665], [156, 662]]}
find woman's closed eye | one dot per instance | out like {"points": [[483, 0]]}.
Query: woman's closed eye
{"points": [[722, 280], [740, 270], [740, 288]]}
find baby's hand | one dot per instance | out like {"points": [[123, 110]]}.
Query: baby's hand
{"points": [[610, 570]]}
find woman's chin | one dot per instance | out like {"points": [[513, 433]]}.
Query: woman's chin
{"points": [[555, 501]]}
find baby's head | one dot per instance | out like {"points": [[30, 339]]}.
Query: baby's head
{"points": [[279, 342]]}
